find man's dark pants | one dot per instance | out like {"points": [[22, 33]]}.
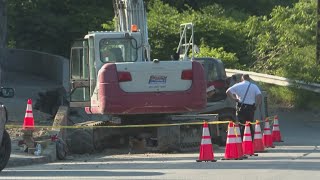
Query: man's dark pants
{"points": [[245, 113]]}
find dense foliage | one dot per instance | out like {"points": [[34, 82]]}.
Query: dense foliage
{"points": [[285, 43], [276, 37], [52, 25]]}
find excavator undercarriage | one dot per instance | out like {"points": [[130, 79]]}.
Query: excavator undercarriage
{"points": [[175, 134]]}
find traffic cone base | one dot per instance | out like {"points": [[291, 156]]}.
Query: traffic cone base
{"points": [[247, 144], [231, 150], [245, 157], [267, 137], [257, 141], [239, 142], [276, 134], [206, 155], [206, 161], [206, 150]]}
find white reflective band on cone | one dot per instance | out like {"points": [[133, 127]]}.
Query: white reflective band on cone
{"points": [[238, 140], [205, 132], [29, 107], [231, 140], [231, 131], [238, 134], [268, 132], [267, 125], [238, 131], [247, 130], [276, 128], [258, 129], [257, 136], [206, 141], [29, 115], [247, 138]]}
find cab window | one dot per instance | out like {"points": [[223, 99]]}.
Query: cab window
{"points": [[118, 50]]}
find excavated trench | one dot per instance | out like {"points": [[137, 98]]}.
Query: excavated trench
{"points": [[96, 136]]}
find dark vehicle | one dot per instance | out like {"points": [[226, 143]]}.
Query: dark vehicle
{"points": [[5, 141]]}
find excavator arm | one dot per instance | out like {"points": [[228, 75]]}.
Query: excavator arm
{"points": [[130, 14]]}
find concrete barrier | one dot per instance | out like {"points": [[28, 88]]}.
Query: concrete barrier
{"points": [[61, 119], [49, 66]]}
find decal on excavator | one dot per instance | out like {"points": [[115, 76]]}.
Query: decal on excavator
{"points": [[157, 79]]}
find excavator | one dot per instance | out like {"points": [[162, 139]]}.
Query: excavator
{"points": [[113, 76]]}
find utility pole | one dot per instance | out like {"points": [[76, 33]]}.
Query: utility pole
{"points": [[318, 34]]}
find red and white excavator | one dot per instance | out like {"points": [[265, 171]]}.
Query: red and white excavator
{"points": [[111, 73]]}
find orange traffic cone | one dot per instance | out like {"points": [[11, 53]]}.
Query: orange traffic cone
{"points": [[231, 151], [28, 122], [257, 141], [247, 144], [239, 141], [267, 138], [206, 150], [276, 134]]}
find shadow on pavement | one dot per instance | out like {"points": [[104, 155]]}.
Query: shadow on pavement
{"points": [[76, 173]]}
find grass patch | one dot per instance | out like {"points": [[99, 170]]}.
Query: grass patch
{"points": [[291, 97]]}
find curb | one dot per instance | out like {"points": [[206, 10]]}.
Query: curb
{"points": [[49, 153], [24, 159]]}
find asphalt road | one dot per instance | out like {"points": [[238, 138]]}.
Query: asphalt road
{"points": [[296, 158]]}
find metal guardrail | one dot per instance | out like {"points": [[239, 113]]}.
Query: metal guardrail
{"points": [[281, 81]]}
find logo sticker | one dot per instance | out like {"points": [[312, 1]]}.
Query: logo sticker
{"points": [[157, 79]]}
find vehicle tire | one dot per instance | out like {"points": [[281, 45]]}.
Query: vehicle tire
{"points": [[5, 150], [222, 139], [228, 115], [61, 147]]}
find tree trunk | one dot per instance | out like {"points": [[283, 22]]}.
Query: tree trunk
{"points": [[3, 35]]}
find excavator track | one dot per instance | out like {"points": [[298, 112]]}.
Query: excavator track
{"points": [[184, 137], [97, 136]]}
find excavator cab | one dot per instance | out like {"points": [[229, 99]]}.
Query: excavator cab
{"points": [[216, 77], [90, 54]]}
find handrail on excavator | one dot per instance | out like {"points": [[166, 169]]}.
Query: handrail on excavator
{"points": [[185, 42]]}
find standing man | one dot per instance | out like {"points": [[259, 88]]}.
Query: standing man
{"points": [[248, 96]]}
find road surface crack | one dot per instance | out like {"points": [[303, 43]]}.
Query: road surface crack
{"points": [[316, 148]]}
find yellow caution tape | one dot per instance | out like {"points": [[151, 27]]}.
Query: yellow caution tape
{"points": [[253, 123], [235, 132], [118, 126], [121, 126]]}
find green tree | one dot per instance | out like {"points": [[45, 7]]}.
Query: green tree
{"points": [[284, 44], [163, 27], [257, 7], [229, 59], [213, 29], [51, 26]]}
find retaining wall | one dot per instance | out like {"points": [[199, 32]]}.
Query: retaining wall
{"points": [[49, 66]]}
